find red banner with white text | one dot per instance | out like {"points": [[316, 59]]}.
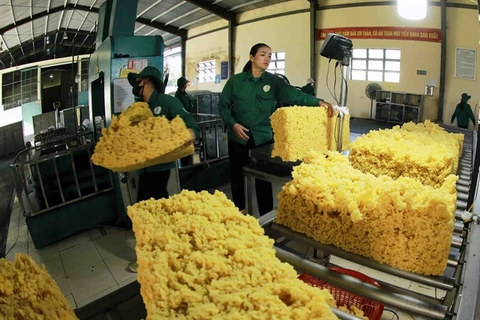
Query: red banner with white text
{"points": [[385, 33]]}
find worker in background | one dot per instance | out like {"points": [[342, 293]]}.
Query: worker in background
{"points": [[148, 87], [463, 113], [182, 95], [309, 88], [246, 104]]}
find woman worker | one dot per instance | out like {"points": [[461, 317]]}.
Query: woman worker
{"points": [[463, 113], [148, 87], [246, 104]]}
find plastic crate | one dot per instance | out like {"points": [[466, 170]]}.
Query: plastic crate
{"points": [[372, 309]]}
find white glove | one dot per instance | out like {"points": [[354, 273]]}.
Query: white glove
{"points": [[341, 110]]}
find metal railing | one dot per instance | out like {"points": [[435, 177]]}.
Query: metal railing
{"points": [[58, 177]]}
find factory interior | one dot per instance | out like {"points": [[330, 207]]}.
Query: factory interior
{"points": [[388, 68]]}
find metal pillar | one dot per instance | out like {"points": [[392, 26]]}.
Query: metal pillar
{"points": [[183, 55], [231, 47], [443, 59], [313, 33], [343, 101]]}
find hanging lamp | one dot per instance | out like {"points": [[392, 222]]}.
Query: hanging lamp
{"points": [[412, 9]]}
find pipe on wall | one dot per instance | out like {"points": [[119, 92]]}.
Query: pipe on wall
{"points": [[313, 27], [443, 59]]}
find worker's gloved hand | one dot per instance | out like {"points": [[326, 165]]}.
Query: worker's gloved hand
{"points": [[192, 138]]}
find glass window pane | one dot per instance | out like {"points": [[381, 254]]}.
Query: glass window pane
{"points": [[393, 54], [281, 64], [375, 53], [360, 53], [281, 55], [375, 65], [375, 76], [392, 77], [359, 75], [392, 65], [359, 64], [274, 56]]}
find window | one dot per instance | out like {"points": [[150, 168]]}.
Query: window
{"points": [[173, 65], [206, 71], [84, 74], [29, 85], [381, 65], [277, 64], [11, 90]]}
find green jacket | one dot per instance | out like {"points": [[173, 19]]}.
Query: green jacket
{"points": [[463, 115], [309, 89], [165, 105], [185, 100], [251, 101]]}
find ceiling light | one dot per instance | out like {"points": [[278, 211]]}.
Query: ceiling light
{"points": [[412, 9]]}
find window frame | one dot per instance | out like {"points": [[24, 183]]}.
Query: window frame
{"points": [[276, 70], [206, 68], [384, 61]]}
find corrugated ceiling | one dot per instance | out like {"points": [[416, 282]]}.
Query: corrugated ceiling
{"points": [[34, 30]]}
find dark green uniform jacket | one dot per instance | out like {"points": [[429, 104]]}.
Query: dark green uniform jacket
{"points": [[251, 101], [463, 115], [165, 105], [185, 100], [309, 89]]}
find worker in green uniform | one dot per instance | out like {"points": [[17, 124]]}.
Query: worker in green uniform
{"points": [[183, 96], [246, 104], [309, 88], [148, 86], [463, 113]]}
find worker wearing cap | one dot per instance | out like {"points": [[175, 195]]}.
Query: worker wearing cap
{"points": [[463, 113], [148, 86], [309, 87], [182, 94]]}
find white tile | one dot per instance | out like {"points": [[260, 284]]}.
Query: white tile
{"points": [[97, 296], [118, 264], [126, 282], [110, 230], [62, 283], [114, 243], [378, 275], [43, 254], [387, 315], [404, 315], [95, 233], [71, 301], [89, 281], [54, 267], [423, 289], [345, 263], [80, 257], [74, 241], [14, 248]]}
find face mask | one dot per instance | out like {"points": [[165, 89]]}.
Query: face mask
{"points": [[137, 90]]}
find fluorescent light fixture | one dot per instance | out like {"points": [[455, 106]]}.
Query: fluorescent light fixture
{"points": [[412, 9]]}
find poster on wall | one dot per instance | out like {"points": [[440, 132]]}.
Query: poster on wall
{"points": [[384, 33], [224, 70], [465, 63], [137, 64], [122, 95]]}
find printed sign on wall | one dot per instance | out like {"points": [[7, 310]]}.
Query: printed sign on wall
{"points": [[466, 63], [385, 33]]}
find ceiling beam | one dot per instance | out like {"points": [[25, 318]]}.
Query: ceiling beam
{"points": [[162, 26], [45, 13], [42, 36], [215, 9]]}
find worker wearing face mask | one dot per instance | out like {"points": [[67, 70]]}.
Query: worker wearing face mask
{"points": [[148, 87], [182, 95]]}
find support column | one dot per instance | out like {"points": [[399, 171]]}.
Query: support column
{"points": [[443, 59], [313, 32], [39, 83], [79, 73], [183, 55], [231, 47]]}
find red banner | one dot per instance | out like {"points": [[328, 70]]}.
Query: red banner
{"points": [[390, 33]]}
